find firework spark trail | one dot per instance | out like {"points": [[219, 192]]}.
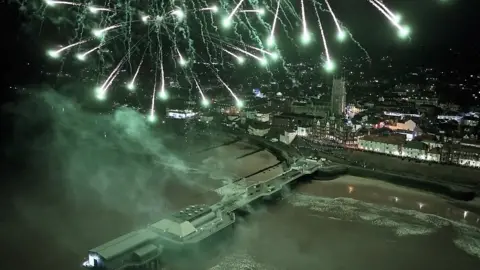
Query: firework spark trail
{"points": [[127, 42], [369, 59], [249, 31], [151, 116], [203, 29], [258, 11], [131, 84], [238, 102], [213, 9], [271, 38], [340, 32], [96, 10], [238, 36], [350, 35], [54, 3], [402, 31], [291, 8], [56, 53], [82, 56], [214, 26], [329, 65], [261, 60], [392, 15], [271, 54], [266, 28], [305, 34], [205, 101], [227, 21], [102, 90], [239, 58], [101, 32], [162, 93]]}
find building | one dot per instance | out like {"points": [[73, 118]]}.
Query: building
{"points": [[390, 145], [181, 109], [338, 97], [143, 249], [314, 107], [258, 128], [291, 120], [461, 155], [335, 130], [181, 114], [288, 137], [414, 149]]}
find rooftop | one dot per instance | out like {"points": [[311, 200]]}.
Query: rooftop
{"points": [[124, 244], [390, 139], [415, 145]]}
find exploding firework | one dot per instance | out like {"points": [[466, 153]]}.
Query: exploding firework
{"points": [[175, 31]]}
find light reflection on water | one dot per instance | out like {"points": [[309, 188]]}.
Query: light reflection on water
{"points": [[362, 202]]}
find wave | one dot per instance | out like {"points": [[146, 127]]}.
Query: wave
{"points": [[403, 222], [240, 261]]}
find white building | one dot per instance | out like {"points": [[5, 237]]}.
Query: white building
{"points": [[390, 145], [181, 114], [397, 145], [288, 137], [416, 150]]}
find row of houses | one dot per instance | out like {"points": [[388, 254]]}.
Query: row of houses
{"points": [[397, 145]]}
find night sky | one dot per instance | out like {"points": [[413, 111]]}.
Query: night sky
{"points": [[437, 26]]}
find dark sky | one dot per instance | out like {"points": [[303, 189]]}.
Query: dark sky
{"points": [[437, 25]]}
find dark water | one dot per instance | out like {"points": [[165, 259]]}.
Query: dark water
{"points": [[347, 225]]}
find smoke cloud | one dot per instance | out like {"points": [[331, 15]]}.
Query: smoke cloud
{"points": [[81, 178]]}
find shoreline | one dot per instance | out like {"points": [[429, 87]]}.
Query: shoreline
{"points": [[451, 192]]}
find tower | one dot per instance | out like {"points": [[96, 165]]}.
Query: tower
{"points": [[339, 95]]}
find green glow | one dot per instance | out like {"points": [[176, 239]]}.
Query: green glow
{"points": [[100, 93], [227, 22], [179, 13], [306, 38], [239, 103], [131, 86], [81, 57], [275, 56], [270, 41], [397, 18], [263, 62], [329, 66], [53, 54], [341, 36], [163, 95], [240, 60], [152, 118], [98, 33], [205, 102], [404, 32], [50, 3]]}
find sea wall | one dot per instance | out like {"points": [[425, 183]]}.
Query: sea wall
{"points": [[452, 191]]}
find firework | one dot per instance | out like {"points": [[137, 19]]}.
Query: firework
{"points": [[238, 30]]}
